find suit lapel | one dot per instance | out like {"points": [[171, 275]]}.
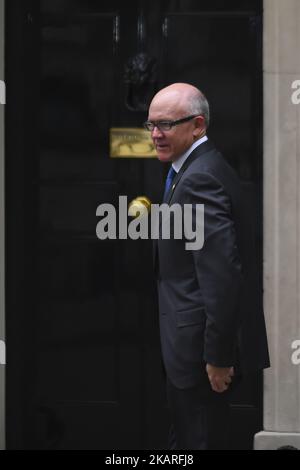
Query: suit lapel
{"points": [[203, 148]]}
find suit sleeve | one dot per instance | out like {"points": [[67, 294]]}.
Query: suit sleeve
{"points": [[218, 268]]}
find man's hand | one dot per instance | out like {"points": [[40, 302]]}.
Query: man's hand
{"points": [[219, 377]]}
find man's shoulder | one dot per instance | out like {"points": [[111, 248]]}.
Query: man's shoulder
{"points": [[211, 164], [209, 159]]}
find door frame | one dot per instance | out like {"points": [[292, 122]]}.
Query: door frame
{"points": [[21, 63], [2, 234]]}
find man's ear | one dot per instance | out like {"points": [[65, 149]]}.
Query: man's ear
{"points": [[200, 128]]}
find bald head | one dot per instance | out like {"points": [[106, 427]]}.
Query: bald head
{"points": [[182, 99], [183, 103]]}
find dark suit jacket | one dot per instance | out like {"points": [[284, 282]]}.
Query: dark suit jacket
{"points": [[209, 302]]}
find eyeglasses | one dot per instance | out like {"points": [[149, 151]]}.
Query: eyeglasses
{"points": [[166, 125]]}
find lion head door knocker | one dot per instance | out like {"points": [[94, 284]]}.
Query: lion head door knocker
{"points": [[141, 81]]}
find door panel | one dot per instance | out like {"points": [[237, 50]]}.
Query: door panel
{"points": [[95, 379]]}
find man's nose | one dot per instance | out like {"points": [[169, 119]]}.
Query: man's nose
{"points": [[156, 133]]}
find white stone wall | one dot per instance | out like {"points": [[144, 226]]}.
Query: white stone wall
{"points": [[281, 222], [2, 332]]}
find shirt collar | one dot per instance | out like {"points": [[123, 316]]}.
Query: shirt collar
{"points": [[180, 161]]}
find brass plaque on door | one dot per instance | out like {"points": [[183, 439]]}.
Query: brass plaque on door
{"points": [[131, 142]]}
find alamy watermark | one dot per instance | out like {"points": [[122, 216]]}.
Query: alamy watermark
{"points": [[296, 94], [2, 353], [2, 92], [295, 358], [165, 222]]}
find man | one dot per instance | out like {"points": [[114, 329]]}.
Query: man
{"points": [[211, 323]]}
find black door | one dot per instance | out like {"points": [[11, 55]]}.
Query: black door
{"points": [[84, 368]]}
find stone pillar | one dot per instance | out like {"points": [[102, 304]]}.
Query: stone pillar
{"points": [[281, 224], [2, 270]]}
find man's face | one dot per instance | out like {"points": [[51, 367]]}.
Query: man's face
{"points": [[170, 145]]}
